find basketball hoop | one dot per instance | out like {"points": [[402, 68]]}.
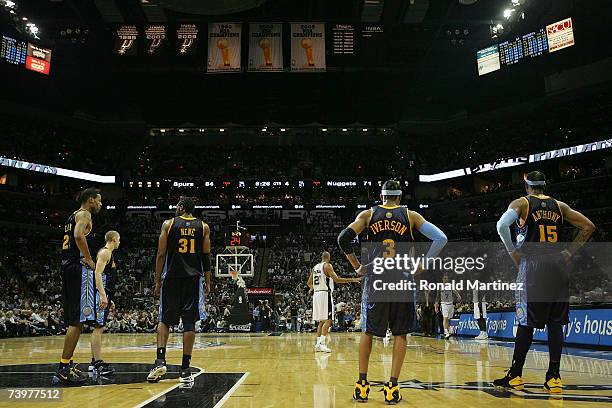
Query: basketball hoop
{"points": [[233, 273]]}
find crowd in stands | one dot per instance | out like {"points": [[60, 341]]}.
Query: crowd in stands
{"points": [[544, 128], [466, 209]]}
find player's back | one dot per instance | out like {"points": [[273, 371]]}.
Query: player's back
{"points": [[542, 225], [321, 282], [389, 223], [184, 248]]}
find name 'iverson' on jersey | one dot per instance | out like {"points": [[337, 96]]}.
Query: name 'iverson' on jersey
{"points": [[386, 225]]}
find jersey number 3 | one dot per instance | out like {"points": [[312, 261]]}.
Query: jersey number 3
{"points": [[184, 243], [548, 233]]}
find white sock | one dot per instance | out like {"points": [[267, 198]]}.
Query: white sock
{"points": [[322, 340], [318, 340]]}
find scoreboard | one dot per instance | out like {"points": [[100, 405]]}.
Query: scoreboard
{"points": [[511, 52], [556, 36], [535, 43], [13, 51]]}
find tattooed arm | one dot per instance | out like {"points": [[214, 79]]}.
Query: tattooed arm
{"points": [[578, 220]]}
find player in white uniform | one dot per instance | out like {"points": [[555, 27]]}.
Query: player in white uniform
{"points": [[321, 283], [447, 299], [480, 313]]}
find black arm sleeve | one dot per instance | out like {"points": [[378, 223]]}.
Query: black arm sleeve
{"points": [[345, 240], [206, 262]]}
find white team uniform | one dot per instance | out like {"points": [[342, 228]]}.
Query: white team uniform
{"points": [[446, 303], [322, 300]]}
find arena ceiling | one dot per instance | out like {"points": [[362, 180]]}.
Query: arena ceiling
{"points": [[428, 71]]}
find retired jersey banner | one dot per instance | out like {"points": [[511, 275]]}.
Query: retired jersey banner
{"points": [[224, 47], [265, 47], [307, 47]]}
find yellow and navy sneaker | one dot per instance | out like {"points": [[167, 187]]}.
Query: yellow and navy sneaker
{"points": [[392, 393], [511, 381], [553, 384], [362, 390]]}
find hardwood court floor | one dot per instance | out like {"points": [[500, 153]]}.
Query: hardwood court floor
{"points": [[284, 371]]}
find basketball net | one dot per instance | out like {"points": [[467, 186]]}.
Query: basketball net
{"points": [[234, 275]]}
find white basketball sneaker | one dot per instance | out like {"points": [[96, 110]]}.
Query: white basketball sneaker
{"points": [[482, 336], [324, 348]]}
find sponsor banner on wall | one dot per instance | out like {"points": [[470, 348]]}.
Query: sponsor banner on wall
{"points": [[586, 326], [560, 35], [265, 47], [224, 47], [308, 47]]}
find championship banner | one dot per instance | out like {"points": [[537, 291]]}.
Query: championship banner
{"points": [[155, 39], [307, 47], [126, 40], [265, 47], [187, 39], [560, 35], [38, 59], [224, 47]]}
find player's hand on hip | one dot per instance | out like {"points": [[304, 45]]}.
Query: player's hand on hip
{"points": [[516, 256], [103, 301], [358, 279], [89, 262], [361, 271]]}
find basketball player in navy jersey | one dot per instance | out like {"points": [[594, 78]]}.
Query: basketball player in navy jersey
{"points": [[541, 269], [182, 277], [105, 278], [77, 283], [387, 224]]}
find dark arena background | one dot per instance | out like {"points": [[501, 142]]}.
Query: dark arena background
{"points": [[281, 122]]}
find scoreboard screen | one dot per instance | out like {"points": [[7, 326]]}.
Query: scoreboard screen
{"points": [[13, 51], [38, 59], [511, 52], [535, 43]]}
